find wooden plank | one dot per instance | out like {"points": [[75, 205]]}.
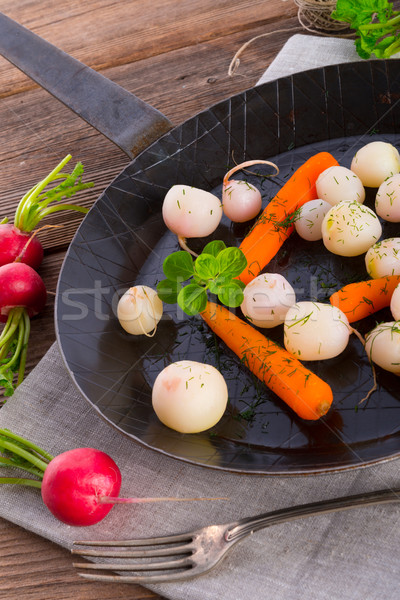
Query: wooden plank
{"points": [[26, 557], [105, 34]]}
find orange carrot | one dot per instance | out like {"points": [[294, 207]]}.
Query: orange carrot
{"points": [[268, 234], [308, 395], [359, 300]]}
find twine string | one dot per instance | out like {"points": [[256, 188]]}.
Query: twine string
{"points": [[313, 16]]}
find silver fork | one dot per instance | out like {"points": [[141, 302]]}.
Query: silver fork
{"points": [[191, 554]]}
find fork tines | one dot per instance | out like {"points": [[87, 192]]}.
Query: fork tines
{"points": [[145, 551]]}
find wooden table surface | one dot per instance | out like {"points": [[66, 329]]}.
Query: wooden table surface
{"points": [[174, 54]]}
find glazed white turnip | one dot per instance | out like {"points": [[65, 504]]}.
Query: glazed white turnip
{"points": [[267, 298], [190, 212], [139, 310], [375, 162]]}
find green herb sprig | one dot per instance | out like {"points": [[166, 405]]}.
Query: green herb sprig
{"points": [[376, 24], [189, 280]]}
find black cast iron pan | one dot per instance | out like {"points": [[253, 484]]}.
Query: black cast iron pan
{"points": [[123, 241]]}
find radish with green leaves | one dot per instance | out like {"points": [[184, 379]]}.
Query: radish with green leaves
{"points": [[17, 242], [17, 245], [22, 296], [22, 291], [79, 486]]}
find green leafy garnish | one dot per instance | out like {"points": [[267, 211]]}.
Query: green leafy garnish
{"points": [[17, 452], [13, 349], [214, 270], [375, 23], [39, 201]]}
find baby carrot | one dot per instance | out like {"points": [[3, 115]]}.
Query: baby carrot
{"points": [[268, 234], [358, 300], [308, 395]]}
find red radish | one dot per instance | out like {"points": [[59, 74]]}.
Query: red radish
{"points": [[16, 241], [75, 481], [21, 287], [22, 291], [22, 296], [15, 244], [79, 486]]}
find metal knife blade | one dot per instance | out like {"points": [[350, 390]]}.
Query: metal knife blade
{"points": [[116, 113]]}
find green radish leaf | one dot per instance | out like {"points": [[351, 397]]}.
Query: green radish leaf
{"points": [[214, 270], [192, 299], [217, 284], [206, 266], [178, 266], [231, 262], [231, 294], [214, 247], [38, 203], [199, 280], [168, 290], [6, 382]]}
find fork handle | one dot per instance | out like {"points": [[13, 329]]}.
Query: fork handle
{"points": [[250, 524]]}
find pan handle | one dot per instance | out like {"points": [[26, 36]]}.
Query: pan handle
{"points": [[123, 118]]}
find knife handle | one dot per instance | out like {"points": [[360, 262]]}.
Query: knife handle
{"points": [[123, 118]]}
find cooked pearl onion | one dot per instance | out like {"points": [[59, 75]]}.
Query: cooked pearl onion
{"points": [[308, 223], [375, 162], [395, 304], [190, 212], [387, 201], [241, 201], [139, 310], [337, 184], [315, 331], [267, 298], [189, 396], [382, 345], [383, 258], [350, 228]]}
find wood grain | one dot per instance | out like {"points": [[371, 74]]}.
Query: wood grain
{"points": [[174, 54]]}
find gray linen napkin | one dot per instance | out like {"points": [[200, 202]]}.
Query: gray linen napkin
{"points": [[343, 556]]}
